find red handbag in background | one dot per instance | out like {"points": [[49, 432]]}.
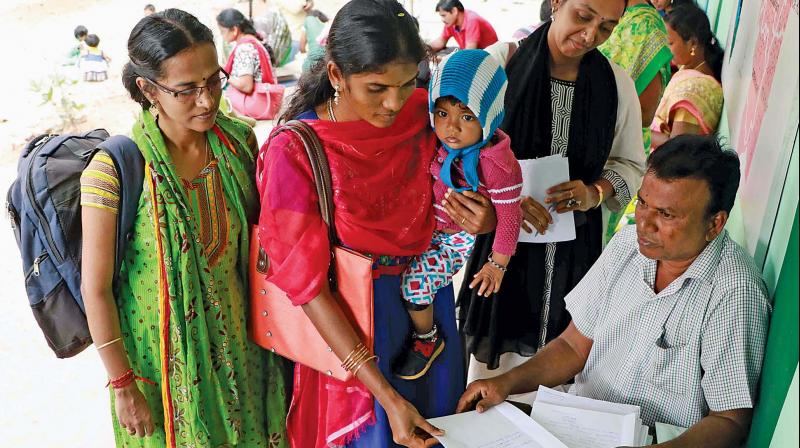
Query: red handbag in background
{"points": [[278, 325]]}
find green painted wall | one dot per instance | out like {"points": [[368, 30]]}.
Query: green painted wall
{"points": [[776, 414], [780, 362], [787, 433]]}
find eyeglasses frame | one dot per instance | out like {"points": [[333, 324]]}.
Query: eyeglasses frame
{"points": [[199, 89]]}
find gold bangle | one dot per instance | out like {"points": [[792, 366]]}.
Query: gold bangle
{"points": [[600, 194], [363, 354], [113, 341], [356, 355], [352, 352], [355, 371]]}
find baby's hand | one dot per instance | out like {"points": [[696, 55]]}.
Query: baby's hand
{"points": [[489, 279]]}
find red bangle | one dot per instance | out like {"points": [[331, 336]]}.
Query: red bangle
{"points": [[126, 379]]}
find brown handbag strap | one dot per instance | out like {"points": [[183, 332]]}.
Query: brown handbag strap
{"points": [[322, 180]]}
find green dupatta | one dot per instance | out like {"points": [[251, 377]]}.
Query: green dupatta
{"points": [[639, 45], [184, 271]]}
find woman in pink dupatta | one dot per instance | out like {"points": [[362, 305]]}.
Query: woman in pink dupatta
{"points": [[374, 126]]}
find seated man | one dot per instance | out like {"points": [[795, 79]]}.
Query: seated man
{"points": [[672, 317], [468, 28]]}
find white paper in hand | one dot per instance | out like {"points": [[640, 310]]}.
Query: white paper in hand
{"points": [[537, 176]]}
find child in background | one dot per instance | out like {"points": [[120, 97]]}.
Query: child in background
{"points": [[466, 98], [79, 48], [149, 9], [94, 63]]}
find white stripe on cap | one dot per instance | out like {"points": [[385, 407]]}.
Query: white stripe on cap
{"points": [[480, 82]]}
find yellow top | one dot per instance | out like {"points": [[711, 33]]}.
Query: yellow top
{"points": [[100, 183]]}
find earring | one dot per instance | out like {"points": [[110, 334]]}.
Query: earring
{"points": [[692, 52], [336, 95], [154, 108]]}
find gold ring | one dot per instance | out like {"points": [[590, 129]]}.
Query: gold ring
{"points": [[571, 194], [463, 220]]}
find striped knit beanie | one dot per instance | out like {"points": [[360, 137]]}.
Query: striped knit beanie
{"points": [[477, 80]]}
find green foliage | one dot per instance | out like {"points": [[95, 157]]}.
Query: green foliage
{"points": [[55, 91]]}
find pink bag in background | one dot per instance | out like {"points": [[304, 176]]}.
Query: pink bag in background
{"points": [[264, 102]]}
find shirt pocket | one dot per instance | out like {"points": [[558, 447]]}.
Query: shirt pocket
{"points": [[670, 368]]}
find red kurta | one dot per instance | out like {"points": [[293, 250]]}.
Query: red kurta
{"points": [[382, 196]]}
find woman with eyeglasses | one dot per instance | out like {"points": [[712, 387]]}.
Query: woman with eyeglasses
{"points": [[253, 90], [173, 335]]}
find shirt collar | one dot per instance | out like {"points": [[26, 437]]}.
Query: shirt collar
{"points": [[705, 265]]}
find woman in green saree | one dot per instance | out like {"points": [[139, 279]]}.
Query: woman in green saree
{"points": [[173, 334], [639, 45]]}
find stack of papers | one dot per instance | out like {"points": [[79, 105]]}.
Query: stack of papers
{"points": [[581, 422]]}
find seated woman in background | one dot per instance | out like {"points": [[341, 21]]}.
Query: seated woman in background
{"points": [[692, 102], [253, 89]]}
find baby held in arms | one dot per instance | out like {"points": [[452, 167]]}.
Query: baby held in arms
{"points": [[466, 101]]}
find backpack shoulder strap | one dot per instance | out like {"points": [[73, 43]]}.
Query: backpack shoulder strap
{"points": [[129, 164]]}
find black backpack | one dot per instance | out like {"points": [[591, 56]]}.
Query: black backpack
{"points": [[44, 208]]}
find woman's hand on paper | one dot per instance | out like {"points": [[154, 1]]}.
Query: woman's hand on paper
{"points": [[571, 196], [534, 215], [409, 428], [483, 394], [471, 210]]}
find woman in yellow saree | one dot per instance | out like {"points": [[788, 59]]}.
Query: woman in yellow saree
{"points": [[692, 102]]}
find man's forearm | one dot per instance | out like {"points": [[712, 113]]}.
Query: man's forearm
{"points": [[721, 429], [437, 44], [553, 365]]}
